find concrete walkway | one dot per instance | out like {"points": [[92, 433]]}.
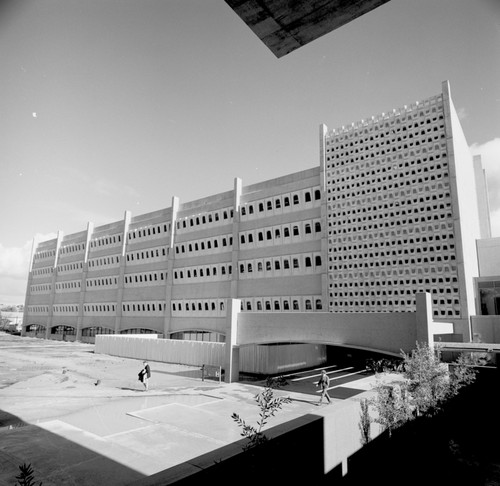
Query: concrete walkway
{"points": [[76, 430]]}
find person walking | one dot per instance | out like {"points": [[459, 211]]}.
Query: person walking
{"points": [[145, 375], [324, 383]]}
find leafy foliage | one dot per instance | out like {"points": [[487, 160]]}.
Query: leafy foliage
{"points": [[26, 476], [426, 384], [269, 405], [365, 421], [392, 404], [384, 365]]}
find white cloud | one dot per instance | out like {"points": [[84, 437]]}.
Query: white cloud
{"points": [[14, 261], [490, 157], [14, 269], [462, 114]]}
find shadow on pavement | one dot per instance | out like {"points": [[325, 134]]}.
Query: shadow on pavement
{"points": [[54, 459]]}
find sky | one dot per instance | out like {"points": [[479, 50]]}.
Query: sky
{"points": [[109, 106]]}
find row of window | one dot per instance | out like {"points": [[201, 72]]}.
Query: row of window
{"points": [[350, 182], [72, 248], [372, 187], [38, 309], [70, 286], [221, 216], [110, 282], [408, 137], [40, 255], [67, 309], [276, 204], [150, 308], [221, 271], [280, 266], [377, 204], [216, 244], [397, 271], [110, 241], [145, 279], [70, 267], [438, 239], [413, 115], [41, 288], [39, 272], [157, 254], [388, 282], [282, 304], [104, 262], [383, 168], [347, 228], [100, 309], [278, 235], [390, 306], [199, 307], [149, 232]]}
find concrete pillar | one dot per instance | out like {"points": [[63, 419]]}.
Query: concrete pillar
{"points": [[232, 359], [424, 318], [28, 287], [323, 129], [83, 285], [53, 286], [123, 263], [167, 326]]}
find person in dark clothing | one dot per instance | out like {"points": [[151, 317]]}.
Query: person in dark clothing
{"points": [[324, 383], [145, 375]]}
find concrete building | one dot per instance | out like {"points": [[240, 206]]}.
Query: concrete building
{"points": [[286, 26], [394, 209]]}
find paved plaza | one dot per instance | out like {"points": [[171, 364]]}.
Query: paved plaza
{"points": [[83, 419]]}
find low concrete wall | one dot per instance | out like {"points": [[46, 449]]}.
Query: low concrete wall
{"points": [[268, 360], [386, 332], [148, 347]]}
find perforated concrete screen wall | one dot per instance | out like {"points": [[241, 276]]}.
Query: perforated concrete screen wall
{"points": [[390, 226]]}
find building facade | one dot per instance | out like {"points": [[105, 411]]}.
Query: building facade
{"points": [[394, 208]]}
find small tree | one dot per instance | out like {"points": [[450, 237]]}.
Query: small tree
{"points": [[365, 421], [428, 378], [392, 405], [269, 405], [427, 383]]}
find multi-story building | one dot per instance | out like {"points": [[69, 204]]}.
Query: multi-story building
{"points": [[391, 210]]}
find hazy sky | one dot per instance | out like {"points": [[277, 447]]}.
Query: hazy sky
{"points": [[115, 105]]}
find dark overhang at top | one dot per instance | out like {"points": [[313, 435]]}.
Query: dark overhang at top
{"points": [[286, 25]]}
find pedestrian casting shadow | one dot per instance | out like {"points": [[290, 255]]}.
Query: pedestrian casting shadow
{"points": [[53, 458], [187, 374]]}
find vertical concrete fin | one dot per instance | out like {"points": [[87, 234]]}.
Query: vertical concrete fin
{"points": [[232, 360], [424, 318]]}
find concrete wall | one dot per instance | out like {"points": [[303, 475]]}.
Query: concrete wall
{"points": [[387, 332], [167, 350], [486, 329], [465, 209], [488, 251], [273, 360]]}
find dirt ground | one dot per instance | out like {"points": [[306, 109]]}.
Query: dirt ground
{"points": [[42, 379]]}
